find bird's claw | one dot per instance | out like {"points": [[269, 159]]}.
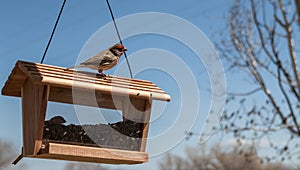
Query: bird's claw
{"points": [[102, 75]]}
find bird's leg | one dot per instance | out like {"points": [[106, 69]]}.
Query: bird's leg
{"points": [[102, 74]]}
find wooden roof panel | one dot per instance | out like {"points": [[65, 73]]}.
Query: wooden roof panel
{"points": [[68, 78]]}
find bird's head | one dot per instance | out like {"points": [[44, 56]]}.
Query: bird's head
{"points": [[118, 49]]}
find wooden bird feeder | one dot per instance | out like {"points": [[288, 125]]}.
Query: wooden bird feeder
{"points": [[37, 84]]}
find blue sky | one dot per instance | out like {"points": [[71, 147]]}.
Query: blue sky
{"points": [[26, 27]]}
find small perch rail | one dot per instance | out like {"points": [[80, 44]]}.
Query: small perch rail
{"points": [[37, 84]]}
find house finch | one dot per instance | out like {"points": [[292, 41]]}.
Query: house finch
{"points": [[104, 60]]}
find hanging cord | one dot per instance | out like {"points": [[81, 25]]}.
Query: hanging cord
{"points": [[113, 18], [61, 9]]}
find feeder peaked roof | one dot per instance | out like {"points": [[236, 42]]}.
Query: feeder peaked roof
{"points": [[61, 79]]}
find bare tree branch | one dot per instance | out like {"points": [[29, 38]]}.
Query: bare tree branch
{"points": [[288, 29], [297, 2]]}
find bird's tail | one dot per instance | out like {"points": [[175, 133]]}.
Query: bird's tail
{"points": [[72, 67], [75, 67]]}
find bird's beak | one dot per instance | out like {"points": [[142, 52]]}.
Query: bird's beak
{"points": [[125, 49]]}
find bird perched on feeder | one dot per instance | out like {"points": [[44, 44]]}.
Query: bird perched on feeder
{"points": [[104, 60]]}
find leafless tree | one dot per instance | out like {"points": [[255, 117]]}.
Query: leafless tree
{"points": [[262, 43], [235, 158], [7, 155], [85, 166]]}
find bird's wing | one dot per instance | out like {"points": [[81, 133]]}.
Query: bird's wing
{"points": [[103, 58], [107, 60]]}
